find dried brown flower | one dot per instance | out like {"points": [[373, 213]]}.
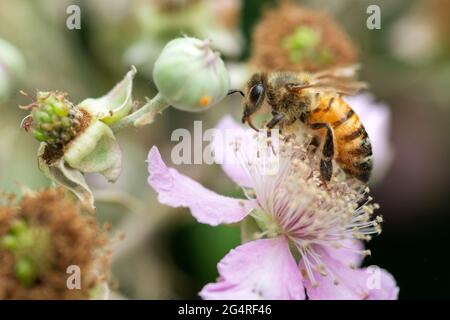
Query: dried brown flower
{"points": [[294, 38], [74, 238]]}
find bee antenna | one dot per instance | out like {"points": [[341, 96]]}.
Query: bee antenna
{"points": [[236, 91]]}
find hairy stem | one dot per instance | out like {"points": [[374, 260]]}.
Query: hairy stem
{"points": [[143, 116]]}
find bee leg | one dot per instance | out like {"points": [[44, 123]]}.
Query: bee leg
{"points": [[277, 117], [326, 163], [314, 143]]}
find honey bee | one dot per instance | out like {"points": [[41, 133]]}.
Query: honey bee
{"points": [[316, 101]]}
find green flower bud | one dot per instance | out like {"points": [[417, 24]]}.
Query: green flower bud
{"points": [[190, 76]]}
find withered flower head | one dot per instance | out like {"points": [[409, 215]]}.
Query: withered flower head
{"points": [[40, 237], [54, 120], [78, 138], [294, 38]]}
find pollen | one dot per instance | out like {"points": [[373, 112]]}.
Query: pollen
{"points": [[204, 101]]}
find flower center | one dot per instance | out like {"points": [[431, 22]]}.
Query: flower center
{"points": [[266, 223], [295, 203]]}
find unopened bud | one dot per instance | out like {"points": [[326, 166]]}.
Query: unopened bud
{"points": [[190, 75]]}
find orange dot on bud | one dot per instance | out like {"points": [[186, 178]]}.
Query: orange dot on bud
{"points": [[204, 101]]}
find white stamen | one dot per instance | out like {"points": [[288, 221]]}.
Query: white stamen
{"points": [[294, 202]]}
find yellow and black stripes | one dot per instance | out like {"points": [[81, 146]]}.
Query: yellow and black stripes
{"points": [[357, 153], [350, 113], [353, 150], [360, 132]]}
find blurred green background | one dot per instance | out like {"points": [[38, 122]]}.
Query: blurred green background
{"points": [[167, 254]]}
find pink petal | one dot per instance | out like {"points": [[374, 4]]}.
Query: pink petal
{"points": [[177, 190], [371, 283], [260, 269], [225, 153], [348, 252]]}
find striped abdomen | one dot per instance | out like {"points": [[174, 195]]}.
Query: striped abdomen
{"points": [[353, 150]]}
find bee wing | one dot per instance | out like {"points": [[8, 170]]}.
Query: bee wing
{"points": [[342, 86], [349, 72], [337, 80]]}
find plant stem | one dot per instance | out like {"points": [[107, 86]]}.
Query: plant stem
{"points": [[149, 110]]}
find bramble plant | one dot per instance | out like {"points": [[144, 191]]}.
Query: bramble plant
{"points": [[302, 236], [79, 139]]}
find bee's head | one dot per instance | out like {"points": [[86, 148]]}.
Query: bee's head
{"points": [[254, 98]]}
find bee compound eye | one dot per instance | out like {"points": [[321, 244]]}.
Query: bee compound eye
{"points": [[256, 92]]}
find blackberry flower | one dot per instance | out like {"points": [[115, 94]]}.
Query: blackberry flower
{"points": [[302, 239]]}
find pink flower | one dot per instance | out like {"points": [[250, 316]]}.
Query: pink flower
{"points": [[307, 243]]}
